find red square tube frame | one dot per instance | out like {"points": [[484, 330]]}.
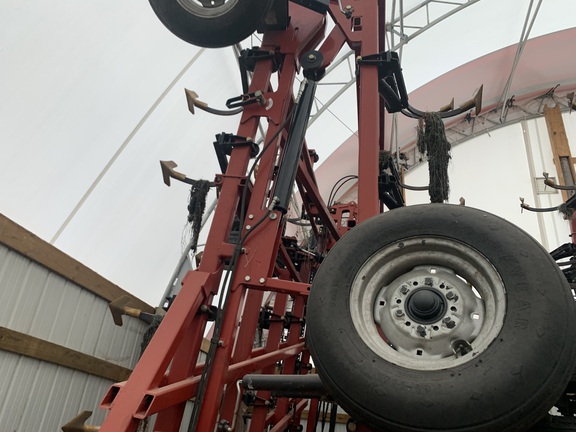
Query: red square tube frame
{"points": [[169, 372]]}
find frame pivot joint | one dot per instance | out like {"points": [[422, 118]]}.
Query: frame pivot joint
{"points": [[211, 311], [311, 62]]}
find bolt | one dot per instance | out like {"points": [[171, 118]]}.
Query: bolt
{"points": [[250, 216], [224, 426], [421, 330], [311, 57], [247, 278], [273, 216], [348, 7], [399, 313], [449, 323], [450, 295], [248, 227], [404, 290], [428, 281], [262, 280]]}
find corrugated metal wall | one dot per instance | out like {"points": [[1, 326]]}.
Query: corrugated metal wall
{"points": [[40, 396]]}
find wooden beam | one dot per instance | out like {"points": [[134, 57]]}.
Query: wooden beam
{"points": [[560, 149], [31, 246], [205, 347], [30, 346]]}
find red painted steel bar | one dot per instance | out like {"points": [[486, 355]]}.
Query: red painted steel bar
{"points": [[362, 33], [156, 388], [149, 371], [260, 248]]}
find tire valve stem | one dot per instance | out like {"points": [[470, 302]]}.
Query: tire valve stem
{"points": [[461, 348]]}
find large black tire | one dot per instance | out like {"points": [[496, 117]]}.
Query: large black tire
{"points": [[492, 358], [211, 27], [555, 424]]}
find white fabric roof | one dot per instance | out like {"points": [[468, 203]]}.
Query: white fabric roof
{"points": [[92, 97]]}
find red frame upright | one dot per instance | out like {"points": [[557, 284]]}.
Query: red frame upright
{"points": [[168, 374]]}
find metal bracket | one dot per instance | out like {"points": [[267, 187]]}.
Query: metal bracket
{"points": [[249, 57], [247, 99], [226, 142], [389, 192], [392, 88], [391, 84]]}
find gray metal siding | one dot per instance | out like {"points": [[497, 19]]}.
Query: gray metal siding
{"points": [[39, 396], [40, 303]]}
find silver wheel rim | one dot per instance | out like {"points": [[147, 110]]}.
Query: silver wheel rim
{"points": [[428, 303], [208, 8]]}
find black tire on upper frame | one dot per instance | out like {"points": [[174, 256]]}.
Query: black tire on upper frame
{"points": [[522, 362], [211, 27]]}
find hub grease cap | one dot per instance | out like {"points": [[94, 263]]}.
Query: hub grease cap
{"points": [[425, 306]]}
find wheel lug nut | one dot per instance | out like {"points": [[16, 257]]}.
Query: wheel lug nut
{"points": [[447, 320], [404, 290], [399, 313], [450, 295], [421, 331]]}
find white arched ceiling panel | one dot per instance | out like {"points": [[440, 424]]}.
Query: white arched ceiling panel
{"points": [[146, 218], [480, 29], [77, 78], [81, 84]]}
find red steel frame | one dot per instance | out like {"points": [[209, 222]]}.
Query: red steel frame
{"points": [[168, 375]]}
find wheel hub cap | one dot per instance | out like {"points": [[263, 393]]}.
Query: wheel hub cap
{"points": [[425, 306]]}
